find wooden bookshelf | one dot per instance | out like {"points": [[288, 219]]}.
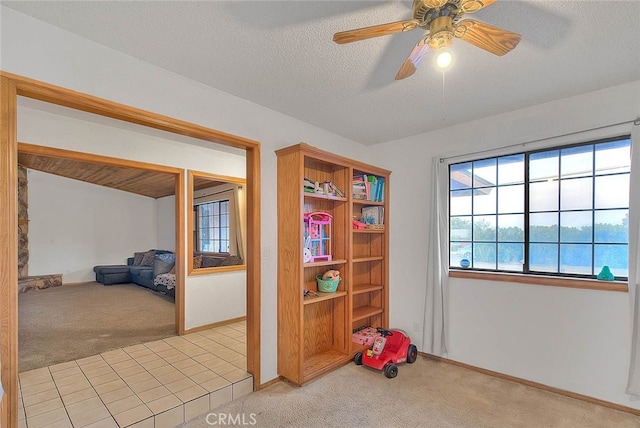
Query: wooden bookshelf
{"points": [[314, 332]]}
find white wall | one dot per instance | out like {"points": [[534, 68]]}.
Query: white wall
{"points": [[83, 133], [166, 223], [74, 226], [43, 52], [577, 340], [585, 355]]}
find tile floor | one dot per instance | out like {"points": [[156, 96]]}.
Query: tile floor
{"points": [[158, 384]]}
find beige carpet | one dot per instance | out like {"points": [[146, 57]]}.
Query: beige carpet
{"points": [[425, 394], [65, 323]]}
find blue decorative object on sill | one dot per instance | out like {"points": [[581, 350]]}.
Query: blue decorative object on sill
{"points": [[605, 274], [465, 263]]}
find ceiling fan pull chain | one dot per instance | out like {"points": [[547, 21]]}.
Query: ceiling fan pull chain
{"points": [[443, 96]]}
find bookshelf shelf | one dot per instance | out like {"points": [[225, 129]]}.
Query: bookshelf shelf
{"points": [[315, 332], [367, 202], [323, 296], [368, 231], [365, 288], [368, 259], [325, 263], [364, 312], [323, 196]]}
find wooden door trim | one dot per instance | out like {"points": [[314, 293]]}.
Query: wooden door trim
{"points": [[12, 86]]}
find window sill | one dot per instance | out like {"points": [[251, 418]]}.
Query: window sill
{"points": [[588, 284], [217, 269]]}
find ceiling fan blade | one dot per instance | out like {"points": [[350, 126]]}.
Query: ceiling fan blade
{"points": [[375, 31], [412, 63], [468, 6], [484, 36]]}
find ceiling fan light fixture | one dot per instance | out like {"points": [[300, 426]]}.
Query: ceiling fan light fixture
{"points": [[444, 58]]}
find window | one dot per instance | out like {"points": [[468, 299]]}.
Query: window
{"points": [[562, 211], [212, 226]]}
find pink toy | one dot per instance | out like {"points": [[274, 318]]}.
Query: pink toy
{"points": [[318, 235]]}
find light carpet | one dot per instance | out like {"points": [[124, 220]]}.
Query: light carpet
{"points": [[425, 394], [66, 323]]}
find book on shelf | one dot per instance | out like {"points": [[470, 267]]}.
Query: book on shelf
{"points": [[327, 188], [373, 215], [368, 187]]}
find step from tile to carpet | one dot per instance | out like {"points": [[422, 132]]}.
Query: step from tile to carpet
{"points": [[158, 384]]}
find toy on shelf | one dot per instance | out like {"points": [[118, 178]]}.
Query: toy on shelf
{"points": [[317, 233], [329, 281], [358, 225], [331, 274]]}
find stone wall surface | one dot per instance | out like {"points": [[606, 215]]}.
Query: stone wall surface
{"points": [[39, 282], [23, 223]]}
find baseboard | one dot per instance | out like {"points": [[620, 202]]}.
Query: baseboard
{"points": [[213, 325], [269, 383], [537, 385], [67, 284]]}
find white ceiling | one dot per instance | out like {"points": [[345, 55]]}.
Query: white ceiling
{"points": [[279, 54]]}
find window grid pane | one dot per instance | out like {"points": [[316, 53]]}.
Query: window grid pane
{"points": [[561, 211], [213, 227]]}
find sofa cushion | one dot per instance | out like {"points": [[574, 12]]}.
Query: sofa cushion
{"points": [[231, 261], [111, 268], [163, 263], [211, 261], [137, 270], [137, 258], [147, 260]]}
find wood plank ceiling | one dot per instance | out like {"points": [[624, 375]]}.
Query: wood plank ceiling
{"points": [[139, 181]]}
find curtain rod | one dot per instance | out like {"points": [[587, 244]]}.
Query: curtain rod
{"points": [[215, 193], [635, 121]]}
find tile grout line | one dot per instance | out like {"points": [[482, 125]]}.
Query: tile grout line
{"points": [[187, 342]]}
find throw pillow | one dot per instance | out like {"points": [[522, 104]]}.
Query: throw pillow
{"points": [[137, 258], [147, 260], [163, 263], [197, 262]]}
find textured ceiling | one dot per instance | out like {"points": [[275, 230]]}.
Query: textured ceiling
{"points": [[279, 54]]}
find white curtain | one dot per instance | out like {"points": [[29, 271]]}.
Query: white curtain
{"points": [[633, 383], [435, 320], [241, 219]]}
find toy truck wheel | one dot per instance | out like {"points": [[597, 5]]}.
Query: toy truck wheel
{"points": [[390, 370], [412, 354], [358, 359]]}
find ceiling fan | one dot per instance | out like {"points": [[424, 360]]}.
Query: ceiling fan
{"points": [[442, 20]]}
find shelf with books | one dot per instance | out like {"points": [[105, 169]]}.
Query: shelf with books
{"points": [[367, 187], [369, 250], [315, 329]]}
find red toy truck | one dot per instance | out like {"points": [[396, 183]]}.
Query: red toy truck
{"points": [[392, 347]]}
